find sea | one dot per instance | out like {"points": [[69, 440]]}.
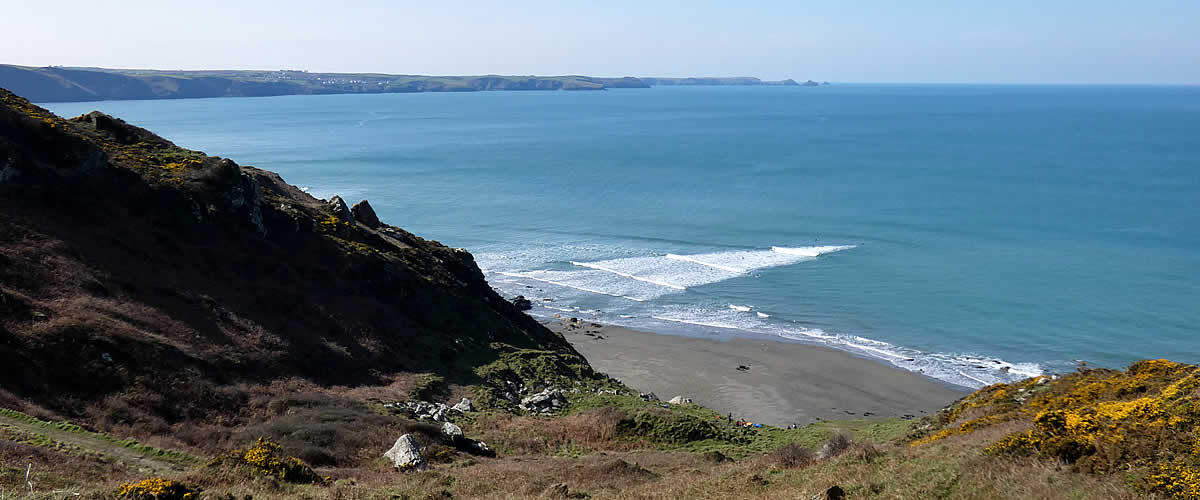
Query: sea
{"points": [[973, 233]]}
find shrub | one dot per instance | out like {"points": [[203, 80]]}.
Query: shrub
{"points": [[792, 456], [156, 488], [668, 427], [266, 458]]}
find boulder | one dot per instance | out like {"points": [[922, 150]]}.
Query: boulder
{"points": [[522, 303], [364, 214], [546, 401], [464, 406], [340, 210], [451, 432], [680, 400], [406, 454], [648, 396]]}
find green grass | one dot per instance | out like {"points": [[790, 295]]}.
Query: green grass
{"points": [[46, 439]]}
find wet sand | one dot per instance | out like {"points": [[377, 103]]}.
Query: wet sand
{"points": [[780, 382]]}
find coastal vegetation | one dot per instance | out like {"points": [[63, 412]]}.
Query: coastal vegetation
{"points": [[176, 325]]}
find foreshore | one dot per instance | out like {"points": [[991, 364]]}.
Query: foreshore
{"points": [[766, 381]]}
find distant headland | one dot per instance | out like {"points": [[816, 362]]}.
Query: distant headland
{"points": [[65, 84]]}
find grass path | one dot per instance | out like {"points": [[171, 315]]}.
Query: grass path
{"points": [[71, 438]]}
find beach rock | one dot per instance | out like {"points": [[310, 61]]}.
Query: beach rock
{"points": [[522, 303], [340, 210], [648, 396], [364, 214], [451, 432], [546, 401], [406, 454], [464, 406], [680, 400]]}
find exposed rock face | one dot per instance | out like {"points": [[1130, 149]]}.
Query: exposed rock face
{"points": [[680, 400], [405, 454], [364, 214], [522, 303], [547, 401], [340, 210]]}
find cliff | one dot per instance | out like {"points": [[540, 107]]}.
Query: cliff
{"points": [[58, 84]]}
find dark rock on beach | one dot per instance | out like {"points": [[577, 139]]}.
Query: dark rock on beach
{"points": [[522, 303]]}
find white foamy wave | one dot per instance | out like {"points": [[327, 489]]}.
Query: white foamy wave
{"points": [[680, 272], [811, 251], [959, 369], [763, 315], [710, 324], [628, 275], [565, 284], [739, 308], [685, 258]]}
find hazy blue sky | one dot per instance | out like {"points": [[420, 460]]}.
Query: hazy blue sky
{"points": [[1086, 41]]}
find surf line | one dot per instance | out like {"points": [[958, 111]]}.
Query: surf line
{"points": [[708, 264], [627, 275], [598, 292]]}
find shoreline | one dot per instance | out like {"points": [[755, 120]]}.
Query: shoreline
{"points": [[769, 381]]}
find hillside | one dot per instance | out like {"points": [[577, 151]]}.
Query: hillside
{"points": [[175, 325], [136, 268]]}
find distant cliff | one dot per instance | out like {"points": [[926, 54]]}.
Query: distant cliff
{"points": [[59, 84]]}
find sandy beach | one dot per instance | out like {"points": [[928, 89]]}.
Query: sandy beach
{"points": [[768, 381]]}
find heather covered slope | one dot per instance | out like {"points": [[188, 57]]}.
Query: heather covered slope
{"points": [[134, 269]]}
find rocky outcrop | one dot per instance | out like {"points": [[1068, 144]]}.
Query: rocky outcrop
{"points": [[547, 401], [364, 214], [340, 210], [405, 454]]}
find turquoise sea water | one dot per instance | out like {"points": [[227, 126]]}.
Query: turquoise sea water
{"points": [[975, 233]]}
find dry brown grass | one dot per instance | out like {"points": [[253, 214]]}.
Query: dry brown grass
{"points": [[590, 430]]}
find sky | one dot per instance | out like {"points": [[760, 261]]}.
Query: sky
{"points": [[899, 41]]}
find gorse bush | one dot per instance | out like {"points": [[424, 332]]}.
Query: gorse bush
{"points": [[1099, 420], [156, 488], [267, 458]]}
